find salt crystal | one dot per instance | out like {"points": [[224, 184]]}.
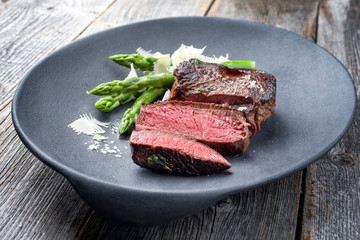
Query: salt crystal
{"points": [[242, 108], [93, 147], [252, 84]]}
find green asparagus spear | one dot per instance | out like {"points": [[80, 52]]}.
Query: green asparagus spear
{"points": [[107, 104], [163, 80], [140, 62], [130, 115], [147, 64], [240, 64]]}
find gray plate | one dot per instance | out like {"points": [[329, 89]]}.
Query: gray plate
{"points": [[316, 102]]}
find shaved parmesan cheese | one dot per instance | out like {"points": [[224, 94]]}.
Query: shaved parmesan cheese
{"points": [[93, 147], [157, 54], [132, 72], [214, 59], [162, 64], [184, 53], [166, 95], [143, 52], [88, 125], [99, 138]]}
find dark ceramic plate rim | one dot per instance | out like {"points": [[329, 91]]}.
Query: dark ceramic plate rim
{"points": [[73, 174]]}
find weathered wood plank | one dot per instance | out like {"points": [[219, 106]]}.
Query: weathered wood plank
{"points": [[30, 30], [296, 16], [124, 12], [332, 194], [269, 212], [35, 201]]}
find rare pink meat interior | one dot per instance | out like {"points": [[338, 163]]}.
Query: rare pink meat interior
{"points": [[220, 127], [173, 153], [209, 104], [249, 91]]}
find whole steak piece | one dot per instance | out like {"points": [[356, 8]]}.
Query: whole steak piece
{"points": [[176, 154], [249, 91], [220, 127]]}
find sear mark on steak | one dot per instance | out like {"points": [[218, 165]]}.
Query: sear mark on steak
{"points": [[176, 154], [249, 91], [220, 127]]}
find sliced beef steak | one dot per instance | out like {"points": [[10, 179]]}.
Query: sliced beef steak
{"points": [[220, 127], [250, 91], [257, 115], [176, 154]]}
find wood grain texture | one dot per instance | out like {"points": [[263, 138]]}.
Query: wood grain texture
{"points": [[293, 15], [332, 194], [269, 212], [30, 30], [124, 12], [38, 203], [35, 202]]}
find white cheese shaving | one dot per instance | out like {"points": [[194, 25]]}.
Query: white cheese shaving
{"points": [[242, 108], [99, 138], [184, 53], [214, 59], [162, 64], [166, 95], [157, 54], [143, 52], [93, 147], [88, 125], [132, 72]]}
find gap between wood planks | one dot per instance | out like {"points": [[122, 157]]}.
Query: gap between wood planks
{"points": [[299, 220], [300, 216], [210, 5], [95, 19]]}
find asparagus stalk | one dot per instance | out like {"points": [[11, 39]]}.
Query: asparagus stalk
{"points": [[131, 114], [163, 80], [147, 63], [140, 62], [107, 104], [240, 64]]}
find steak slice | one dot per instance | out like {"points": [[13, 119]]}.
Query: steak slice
{"points": [[250, 91], [176, 154], [220, 127], [257, 115]]}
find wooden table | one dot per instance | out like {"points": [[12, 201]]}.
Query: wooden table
{"points": [[319, 202]]}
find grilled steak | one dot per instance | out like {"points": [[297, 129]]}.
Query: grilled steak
{"points": [[172, 153], [220, 127], [249, 91]]}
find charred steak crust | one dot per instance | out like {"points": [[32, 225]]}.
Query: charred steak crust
{"points": [[175, 154], [252, 92], [220, 127], [259, 115], [210, 82]]}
